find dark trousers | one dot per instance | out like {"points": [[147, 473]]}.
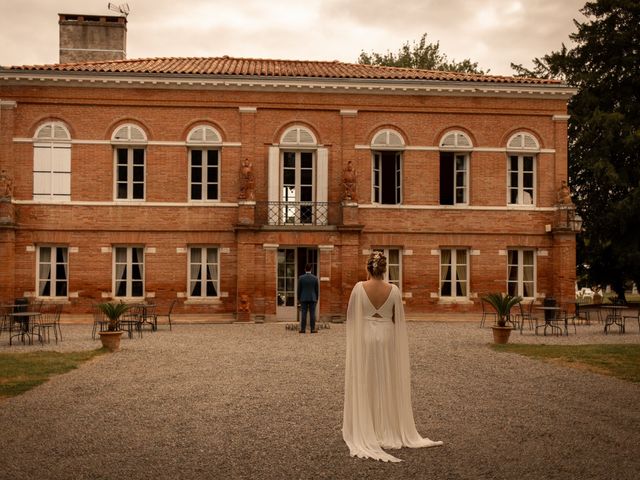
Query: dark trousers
{"points": [[311, 307]]}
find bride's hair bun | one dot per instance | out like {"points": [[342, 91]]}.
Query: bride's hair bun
{"points": [[377, 264]]}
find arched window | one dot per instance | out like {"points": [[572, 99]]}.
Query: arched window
{"points": [[522, 149], [298, 179], [129, 133], [454, 168], [204, 163], [387, 139], [204, 135], [523, 142], [455, 140], [387, 146], [129, 142], [52, 163], [298, 136]]}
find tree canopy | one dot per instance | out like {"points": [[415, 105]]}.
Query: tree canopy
{"points": [[421, 55], [604, 137]]}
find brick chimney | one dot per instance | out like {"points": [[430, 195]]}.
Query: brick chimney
{"points": [[92, 38]]}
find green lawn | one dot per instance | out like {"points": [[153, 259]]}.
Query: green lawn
{"points": [[20, 372], [621, 361]]}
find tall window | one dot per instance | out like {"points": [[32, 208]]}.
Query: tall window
{"points": [[128, 271], [204, 174], [522, 149], [129, 142], [204, 274], [52, 163], [53, 271], [204, 161], [394, 265], [297, 186], [298, 179], [454, 272], [521, 180], [454, 168], [453, 178], [387, 146], [521, 272]]}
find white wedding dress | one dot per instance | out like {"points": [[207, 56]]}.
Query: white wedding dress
{"points": [[377, 397]]}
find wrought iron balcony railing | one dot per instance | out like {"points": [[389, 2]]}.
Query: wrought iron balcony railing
{"points": [[297, 213]]}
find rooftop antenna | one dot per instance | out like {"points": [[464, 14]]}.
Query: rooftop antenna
{"points": [[122, 9]]}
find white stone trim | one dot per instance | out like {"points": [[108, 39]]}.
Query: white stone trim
{"points": [[181, 250], [407, 253], [326, 248], [248, 109], [270, 246], [158, 143], [74, 249], [349, 113], [149, 250], [222, 82], [8, 104], [426, 148], [30, 248], [560, 118], [225, 250], [125, 203]]}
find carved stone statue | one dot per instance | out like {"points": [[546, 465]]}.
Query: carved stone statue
{"points": [[349, 183], [244, 304], [6, 184], [247, 181], [564, 194]]}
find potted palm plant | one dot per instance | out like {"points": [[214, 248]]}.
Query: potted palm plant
{"points": [[113, 311], [502, 304]]}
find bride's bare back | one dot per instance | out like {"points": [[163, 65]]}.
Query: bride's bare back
{"points": [[378, 291]]}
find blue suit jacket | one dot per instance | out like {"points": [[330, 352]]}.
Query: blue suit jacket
{"points": [[307, 288]]}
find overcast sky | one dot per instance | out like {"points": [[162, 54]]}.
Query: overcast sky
{"points": [[490, 32]]}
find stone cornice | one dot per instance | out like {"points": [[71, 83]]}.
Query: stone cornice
{"points": [[285, 84]]}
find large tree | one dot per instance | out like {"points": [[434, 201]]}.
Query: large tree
{"points": [[420, 55], [604, 137]]}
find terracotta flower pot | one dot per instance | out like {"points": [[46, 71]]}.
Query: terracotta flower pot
{"points": [[501, 334], [111, 340]]}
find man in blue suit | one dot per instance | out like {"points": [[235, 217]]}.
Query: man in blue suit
{"points": [[307, 298]]}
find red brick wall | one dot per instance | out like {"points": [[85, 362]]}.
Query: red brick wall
{"points": [[168, 115]]}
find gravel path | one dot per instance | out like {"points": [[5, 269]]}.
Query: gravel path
{"points": [[258, 401]]}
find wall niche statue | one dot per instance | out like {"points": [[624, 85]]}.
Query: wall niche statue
{"points": [[349, 183], [247, 181], [6, 185]]}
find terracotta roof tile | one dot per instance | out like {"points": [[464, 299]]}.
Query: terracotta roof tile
{"points": [[271, 68]]}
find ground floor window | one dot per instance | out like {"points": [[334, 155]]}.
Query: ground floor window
{"points": [[204, 272], [521, 272], [128, 272], [394, 265], [53, 271], [454, 272]]}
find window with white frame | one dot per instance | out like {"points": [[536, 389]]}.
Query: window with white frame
{"points": [[394, 265], [297, 186], [387, 146], [454, 172], [204, 163], [52, 163], [53, 271], [204, 272], [129, 149], [454, 272], [298, 179], [128, 268], [522, 149], [521, 273], [454, 168]]}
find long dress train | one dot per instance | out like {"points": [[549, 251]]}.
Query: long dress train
{"points": [[377, 399]]}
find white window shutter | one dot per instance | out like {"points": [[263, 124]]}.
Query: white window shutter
{"points": [[61, 161], [274, 173], [322, 175], [42, 159]]}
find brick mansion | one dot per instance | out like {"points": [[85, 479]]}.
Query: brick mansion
{"points": [[214, 181]]}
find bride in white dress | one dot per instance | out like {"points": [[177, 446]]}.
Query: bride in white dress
{"points": [[377, 397]]}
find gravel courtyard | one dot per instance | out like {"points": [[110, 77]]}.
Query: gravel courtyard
{"points": [[258, 401]]}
